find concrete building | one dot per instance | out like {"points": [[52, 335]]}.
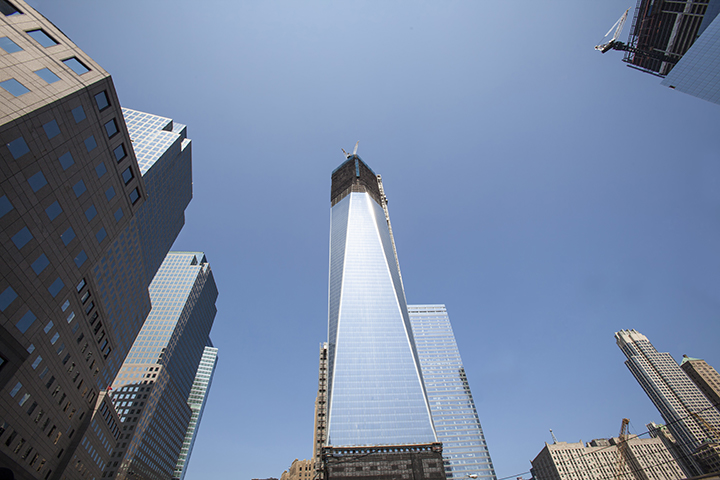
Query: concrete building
{"points": [[77, 255], [688, 414], [456, 420], [379, 422], [197, 401], [661, 431], [300, 470], [646, 459], [152, 389], [320, 427], [704, 376]]}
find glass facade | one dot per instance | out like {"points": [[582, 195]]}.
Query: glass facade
{"points": [[376, 394], [452, 406]]}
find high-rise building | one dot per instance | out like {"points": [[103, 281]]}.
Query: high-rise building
{"points": [[688, 414], [300, 470], [661, 431], [452, 406], [76, 256], [152, 389], [197, 401], [320, 424], [376, 397], [645, 459], [704, 376]]}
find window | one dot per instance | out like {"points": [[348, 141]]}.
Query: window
{"points": [[100, 170], [9, 46], [80, 285], [14, 87], [53, 210], [47, 75], [21, 238], [51, 129], [42, 38], [56, 287], [39, 265], [134, 195], [5, 206], [26, 321], [78, 114], [7, 9], [68, 236], [18, 147], [102, 100], [90, 143], [110, 193], [90, 213], [79, 188], [80, 259], [127, 175], [120, 152], [111, 128], [100, 235], [118, 214], [76, 65], [37, 181], [6, 298], [66, 160]]}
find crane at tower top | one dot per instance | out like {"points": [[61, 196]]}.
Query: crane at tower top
{"points": [[613, 43]]}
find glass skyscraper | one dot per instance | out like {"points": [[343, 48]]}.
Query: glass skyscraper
{"points": [[197, 400], [452, 406], [376, 394]]}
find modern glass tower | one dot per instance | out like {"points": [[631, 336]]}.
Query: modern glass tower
{"points": [[452, 406], [376, 394], [688, 414]]}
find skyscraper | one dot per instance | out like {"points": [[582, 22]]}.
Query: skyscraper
{"points": [[688, 414], [152, 389], [376, 395], [452, 406], [74, 278], [704, 376], [197, 401]]}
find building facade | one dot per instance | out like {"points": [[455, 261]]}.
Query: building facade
{"points": [[300, 470], [152, 389], [456, 420], [704, 376], [688, 414], [197, 401]]}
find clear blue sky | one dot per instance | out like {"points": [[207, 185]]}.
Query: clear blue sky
{"points": [[546, 193]]}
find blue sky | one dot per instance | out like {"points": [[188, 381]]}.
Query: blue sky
{"points": [[546, 193]]}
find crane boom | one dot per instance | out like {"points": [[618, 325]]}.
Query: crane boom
{"points": [[620, 24]]}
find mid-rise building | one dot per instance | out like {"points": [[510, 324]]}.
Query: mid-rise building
{"points": [[456, 420], [688, 414], [704, 376], [152, 389], [661, 431], [300, 470], [197, 401]]}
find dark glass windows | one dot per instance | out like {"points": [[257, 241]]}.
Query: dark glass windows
{"points": [[18, 147], [100, 235], [102, 100], [26, 321], [110, 193], [6, 298], [42, 38], [66, 160], [47, 75], [68, 236], [111, 128], [56, 287], [100, 170], [78, 114], [37, 181], [80, 259], [39, 265], [53, 210], [51, 129], [14, 87], [91, 213], [21, 238], [90, 143], [7, 8], [5, 206], [9, 46], [118, 214], [76, 65], [120, 152], [127, 175], [79, 188], [134, 196]]}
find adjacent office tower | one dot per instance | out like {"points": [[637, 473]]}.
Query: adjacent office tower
{"points": [[197, 400], [77, 257], [704, 376], [452, 406], [376, 395], [688, 414], [152, 389]]}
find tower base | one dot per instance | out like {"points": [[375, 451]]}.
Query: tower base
{"points": [[390, 462]]}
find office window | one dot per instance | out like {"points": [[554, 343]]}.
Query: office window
{"points": [[127, 175], [56, 287], [80, 285], [39, 265], [6, 298], [76, 65], [100, 235], [118, 214], [134, 195], [14, 87], [90, 143], [90, 213], [110, 193], [100, 170], [102, 100], [111, 128], [18, 147], [7, 8], [5, 205], [51, 129], [120, 152], [42, 38], [78, 114], [26, 321], [53, 210], [47, 75], [79, 188], [9, 46], [80, 259], [68, 236], [37, 181], [21, 238], [66, 160]]}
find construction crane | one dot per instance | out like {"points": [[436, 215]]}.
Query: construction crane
{"points": [[553, 435], [604, 47], [622, 448]]}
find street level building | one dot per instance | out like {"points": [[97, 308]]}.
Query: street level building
{"points": [[379, 421], [645, 459], [704, 376], [451, 403], [688, 414], [300, 470], [152, 389], [76, 257]]}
